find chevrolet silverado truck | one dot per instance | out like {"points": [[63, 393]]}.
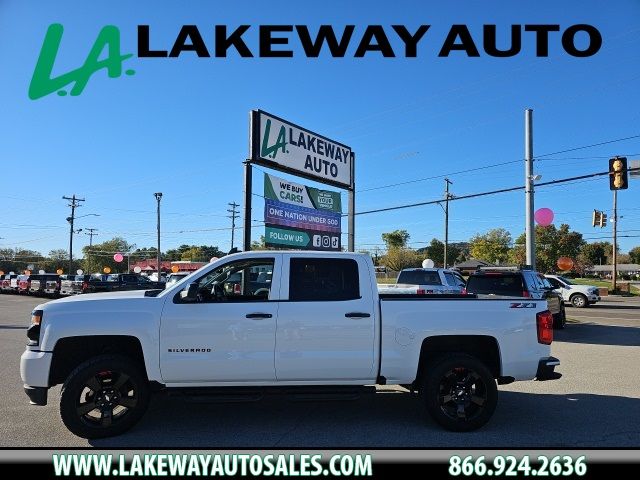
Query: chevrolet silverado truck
{"points": [[317, 325], [118, 282]]}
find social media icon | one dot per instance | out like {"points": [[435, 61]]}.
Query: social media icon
{"points": [[326, 241], [317, 240], [335, 242]]}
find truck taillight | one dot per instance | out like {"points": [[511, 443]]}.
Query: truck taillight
{"points": [[85, 285], [526, 294], [421, 291], [464, 291], [544, 322], [237, 289]]}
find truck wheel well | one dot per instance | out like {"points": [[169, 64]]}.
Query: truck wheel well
{"points": [[483, 347], [70, 352]]}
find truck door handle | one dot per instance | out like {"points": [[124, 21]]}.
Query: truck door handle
{"points": [[357, 315], [258, 316]]}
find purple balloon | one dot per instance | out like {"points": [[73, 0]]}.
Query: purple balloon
{"points": [[544, 216]]}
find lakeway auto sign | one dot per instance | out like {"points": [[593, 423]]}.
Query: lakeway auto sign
{"points": [[285, 146], [297, 216]]}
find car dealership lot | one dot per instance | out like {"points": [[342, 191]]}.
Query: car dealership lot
{"points": [[595, 404]]}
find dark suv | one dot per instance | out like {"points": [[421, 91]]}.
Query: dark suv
{"points": [[518, 282]]}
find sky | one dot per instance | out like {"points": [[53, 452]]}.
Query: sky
{"points": [[180, 125]]}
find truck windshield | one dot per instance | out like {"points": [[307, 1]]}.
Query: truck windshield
{"points": [[419, 277]]}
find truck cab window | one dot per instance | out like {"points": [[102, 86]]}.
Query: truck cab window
{"points": [[323, 279], [241, 281]]}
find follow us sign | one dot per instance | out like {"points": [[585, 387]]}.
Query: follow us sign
{"points": [[300, 239]]}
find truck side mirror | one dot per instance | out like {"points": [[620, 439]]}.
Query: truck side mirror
{"points": [[190, 293]]}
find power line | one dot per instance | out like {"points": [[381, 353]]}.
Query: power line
{"points": [[588, 146]]}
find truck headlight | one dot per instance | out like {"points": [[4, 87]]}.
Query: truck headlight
{"points": [[33, 332]]}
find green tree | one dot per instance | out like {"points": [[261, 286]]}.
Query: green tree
{"points": [[551, 243], [100, 255], [634, 254], [398, 258], [396, 239], [492, 246], [258, 244]]}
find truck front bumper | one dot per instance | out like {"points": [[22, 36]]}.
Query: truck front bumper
{"points": [[546, 367]]}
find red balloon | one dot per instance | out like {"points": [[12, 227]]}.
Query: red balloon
{"points": [[544, 216], [565, 263]]}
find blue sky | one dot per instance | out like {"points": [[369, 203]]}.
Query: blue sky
{"points": [[180, 126]]}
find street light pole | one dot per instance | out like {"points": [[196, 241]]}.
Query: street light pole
{"points": [[447, 196], [528, 187], [158, 196]]}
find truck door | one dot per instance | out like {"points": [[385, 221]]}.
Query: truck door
{"points": [[326, 329], [223, 330]]}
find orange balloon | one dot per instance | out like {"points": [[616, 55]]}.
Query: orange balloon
{"points": [[59, 271], [175, 268], [1, 272], [565, 263], [106, 270]]}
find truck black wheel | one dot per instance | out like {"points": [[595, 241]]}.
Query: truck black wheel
{"points": [[460, 393], [560, 320], [104, 396]]}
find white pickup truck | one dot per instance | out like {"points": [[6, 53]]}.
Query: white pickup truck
{"points": [[285, 321]]}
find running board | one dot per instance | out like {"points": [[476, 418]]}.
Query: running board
{"points": [[293, 394]]}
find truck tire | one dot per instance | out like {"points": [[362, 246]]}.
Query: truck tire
{"points": [[578, 300], [459, 392], [104, 396], [560, 320]]}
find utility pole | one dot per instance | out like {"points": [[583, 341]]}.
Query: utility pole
{"points": [[615, 240], [91, 235], [528, 188], [234, 214], [447, 196], [246, 232], [158, 196], [75, 203]]}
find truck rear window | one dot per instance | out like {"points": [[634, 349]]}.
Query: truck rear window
{"points": [[323, 279], [419, 277], [501, 284]]}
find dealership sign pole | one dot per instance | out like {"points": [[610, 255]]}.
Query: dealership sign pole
{"points": [[281, 145]]}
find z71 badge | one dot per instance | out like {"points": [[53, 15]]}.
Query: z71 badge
{"points": [[523, 305]]}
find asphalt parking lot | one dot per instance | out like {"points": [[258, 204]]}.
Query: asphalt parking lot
{"points": [[595, 404]]}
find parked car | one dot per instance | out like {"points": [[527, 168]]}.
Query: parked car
{"points": [[51, 284], [9, 283], [120, 281], [518, 282], [44, 284], [36, 285], [425, 280], [174, 278], [579, 296], [24, 283], [74, 284], [320, 323]]}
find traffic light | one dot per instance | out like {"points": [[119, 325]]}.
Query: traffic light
{"points": [[603, 219], [618, 173], [597, 218]]}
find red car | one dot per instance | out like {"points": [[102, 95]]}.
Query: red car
{"points": [[24, 283]]}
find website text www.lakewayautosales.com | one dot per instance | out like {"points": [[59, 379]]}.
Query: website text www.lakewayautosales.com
{"points": [[212, 465]]}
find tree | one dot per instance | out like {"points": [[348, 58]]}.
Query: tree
{"points": [[398, 258], [258, 244], [396, 239], [100, 255], [551, 244], [492, 246], [634, 254]]}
